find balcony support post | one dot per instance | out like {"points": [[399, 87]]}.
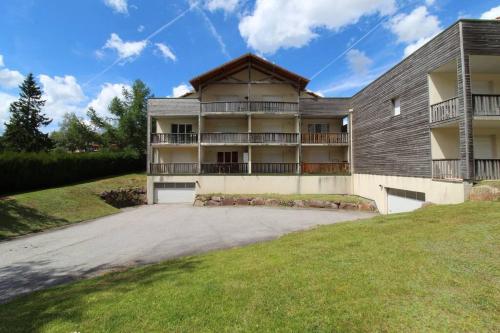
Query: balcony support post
{"points": [[148, 149]]}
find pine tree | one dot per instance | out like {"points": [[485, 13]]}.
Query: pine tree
{"points": [[22, 132]]}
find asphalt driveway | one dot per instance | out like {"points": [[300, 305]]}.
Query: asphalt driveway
{"points": [[144, 235]]}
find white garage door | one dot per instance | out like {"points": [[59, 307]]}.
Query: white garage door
{"points": [[400, 201], [174, 193]]}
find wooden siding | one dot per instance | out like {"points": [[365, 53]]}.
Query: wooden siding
{"points": [[317, 107], [384, 144], [173, 107], [481, 37]]}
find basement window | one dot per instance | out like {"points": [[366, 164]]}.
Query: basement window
{"points": [[396, 106]]}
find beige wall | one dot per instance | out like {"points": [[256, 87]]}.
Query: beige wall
{"points": [[163, 125], [324, 154], [225, 125], [236, 184], [262, 125], [209, 154], [335, 123], [486, 143], [485, 83], [274, 154], [175, 155], [375, 187], [445, 143], [442, 86]]}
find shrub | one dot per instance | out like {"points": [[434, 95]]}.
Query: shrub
{"points": [[28, 171]]}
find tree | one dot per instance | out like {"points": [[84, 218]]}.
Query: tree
{"points": [[22, 132], [128, 127], [74, 134]]}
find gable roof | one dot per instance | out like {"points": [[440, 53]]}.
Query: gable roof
{"points": [[249, 58]]}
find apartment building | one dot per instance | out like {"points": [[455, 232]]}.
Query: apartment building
{"points": [[424, 131]]}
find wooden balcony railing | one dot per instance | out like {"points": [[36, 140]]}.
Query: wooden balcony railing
{"points": [[253, 106], [487, 169], [275, 168], [341, 168], [174, 138], [444, 110], [325, 138], [486, 105], [224, 168], [224, 137], [447, 169], [173, 168], [274, 138], [249, 138]]}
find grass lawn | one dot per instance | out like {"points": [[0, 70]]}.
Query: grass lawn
{"points": [[436, 269], [290, 197], [35, 211], [492, 183]]}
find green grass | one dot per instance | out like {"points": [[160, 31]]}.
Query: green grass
{"points": [[290, 197], [492, 183], [35, 211], [434, 270]]}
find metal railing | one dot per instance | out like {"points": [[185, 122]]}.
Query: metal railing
{"points": [[275, 168], [487, 169], [486, 105], [246, 106], [173, 168], [326, 168], [447, 169], [325, 138], [224, 168], [444, 110], [174, 138]]}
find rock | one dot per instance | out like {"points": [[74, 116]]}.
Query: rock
{"points": [[215, 198], [242, 201], [317, 204], [484, 193], [272, 202], [213, 203], [348, 205], [333, 205], [367, 207], [257, 202], [228, 202], [299, 203], [199, 203]]}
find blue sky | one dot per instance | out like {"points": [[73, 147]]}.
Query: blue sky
{"points": [[84, 52]]}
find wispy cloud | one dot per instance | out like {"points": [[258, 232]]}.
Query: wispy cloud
{"points": [[166, 52], [118, 6], [215, 33]]}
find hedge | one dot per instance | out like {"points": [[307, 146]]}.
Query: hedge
{"points": [[28, 171]]}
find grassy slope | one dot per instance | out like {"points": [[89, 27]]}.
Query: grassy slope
{"points": [[34, 211], [436, 269], [290, 197]]}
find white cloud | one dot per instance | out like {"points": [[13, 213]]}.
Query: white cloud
{"points": [[491, 14], [5, 101], [180, 90], [227, 6], [62, 95], [140, 28], [10, 79], [107, 93], [2, 64], [119, 6], [276, 24], [415, 28], [358, 61], [430, 2], [166, 52], [126, 50]]}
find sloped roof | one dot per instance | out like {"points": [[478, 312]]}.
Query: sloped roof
{"points": [[253, 59]]}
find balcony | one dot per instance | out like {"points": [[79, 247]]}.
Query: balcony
{"points": [[325, 138], [246, 106], [275, 168], [486, 105], [444, 110], [174, 138], [174, 168], [487, 169], [446, 169], [340, 168], [249, 138], [224, 168]]}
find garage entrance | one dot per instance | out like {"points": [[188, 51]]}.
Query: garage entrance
{"points": [[174, 193], [400, 201]]}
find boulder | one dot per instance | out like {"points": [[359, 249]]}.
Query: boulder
{"points": [[367, 206], [333, 205], [216, 198], [348, 205], [272, 202], [317, 204], [242, 201], [299, 203], [199, 203], [213, 203], [484, 193], [257, 202], [228, 202]]}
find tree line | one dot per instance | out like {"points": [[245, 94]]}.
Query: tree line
{"points": [[125, 129]]}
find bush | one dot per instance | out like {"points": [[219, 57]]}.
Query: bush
{"points": [[28, 171]]}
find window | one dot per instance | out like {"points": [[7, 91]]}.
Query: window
{"points": [[396, 106], [227, 157], [318, 128], [182, 128]]}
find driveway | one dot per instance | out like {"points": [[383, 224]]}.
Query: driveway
{"points": [[144, 235]]}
